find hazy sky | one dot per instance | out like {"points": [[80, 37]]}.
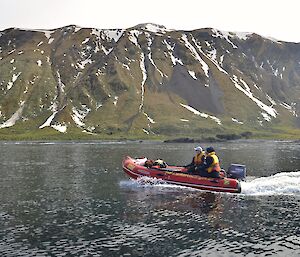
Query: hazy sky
{"points": [[272, 18]]}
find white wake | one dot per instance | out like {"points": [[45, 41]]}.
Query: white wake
{"points": [[287, 183], [283, 183]]}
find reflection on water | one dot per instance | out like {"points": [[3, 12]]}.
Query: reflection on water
{"points": [[207, 222], [72, 199]]}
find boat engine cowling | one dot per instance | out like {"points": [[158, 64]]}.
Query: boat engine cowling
{"points": [[236, 171]]}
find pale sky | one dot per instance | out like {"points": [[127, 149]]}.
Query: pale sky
{"points": [[271, 18]]}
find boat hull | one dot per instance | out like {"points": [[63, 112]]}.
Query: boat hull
{"points": [[177, 175]]}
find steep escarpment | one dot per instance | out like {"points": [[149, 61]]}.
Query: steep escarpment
{"points": [[147, 80]]}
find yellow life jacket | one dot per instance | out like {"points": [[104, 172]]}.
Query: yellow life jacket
{"points": [[198, 158], [215, 166]]}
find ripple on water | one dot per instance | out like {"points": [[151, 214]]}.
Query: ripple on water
{"points": [[82, 206]]}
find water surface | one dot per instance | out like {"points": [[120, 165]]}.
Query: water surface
{"points": [[73, 199]]}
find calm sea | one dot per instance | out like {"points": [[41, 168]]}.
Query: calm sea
{"points": [[73, 199]]}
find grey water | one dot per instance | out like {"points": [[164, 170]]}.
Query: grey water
{"points": [[73, 199]]}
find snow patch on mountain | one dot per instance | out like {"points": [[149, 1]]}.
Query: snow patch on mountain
{"points": [[225, 35], [146, 131], [108, 34], [235, 120], [195, 54], [133, 36], [10, 52], [192, 74], [211, 55], [291, 108], [243, 35], [113, 34], [202, 114], [47, 123], [266, 116], [154, 28], [144, 74], [149, 118], [116, 100], [85, 41], [79, 115], [60, 127], [14, 118], [61, 85], [13, 80], [149, 43], [268, 109], [174, 59]]}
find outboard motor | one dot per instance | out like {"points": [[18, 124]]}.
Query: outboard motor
{"points": [[237, 171]]}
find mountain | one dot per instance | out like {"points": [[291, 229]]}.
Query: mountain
{"points": [[146, 81]]}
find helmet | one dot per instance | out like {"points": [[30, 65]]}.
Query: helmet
{"points": [[210, 149], [198, 149]]}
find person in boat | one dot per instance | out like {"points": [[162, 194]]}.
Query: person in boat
{"points": [[211, 167], [197, 162]]}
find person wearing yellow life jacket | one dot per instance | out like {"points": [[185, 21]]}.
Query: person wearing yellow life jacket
{"points": [[212, 164], [197, 161]]}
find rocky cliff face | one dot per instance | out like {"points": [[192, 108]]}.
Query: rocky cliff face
{"points": [[147, 80]]}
